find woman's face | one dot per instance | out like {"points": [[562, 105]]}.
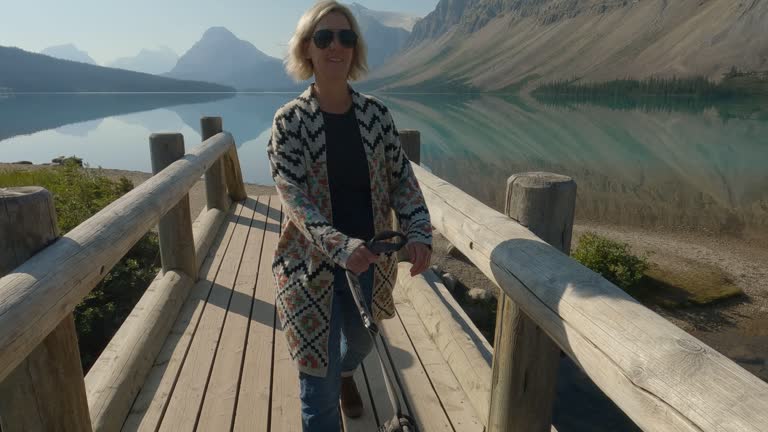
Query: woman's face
{"points": [[333, 62]]}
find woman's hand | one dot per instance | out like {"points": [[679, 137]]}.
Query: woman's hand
{"points": [[360, 260], [419, 255]]}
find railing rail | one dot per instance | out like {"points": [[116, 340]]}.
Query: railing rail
{"points": [[37, 295], [663, 378]]}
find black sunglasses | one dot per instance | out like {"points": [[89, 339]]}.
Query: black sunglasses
{"points": [[323, 38]]}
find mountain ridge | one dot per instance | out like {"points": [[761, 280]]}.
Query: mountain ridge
{"points": [[221, 57], [25, 71], [498, 45]]}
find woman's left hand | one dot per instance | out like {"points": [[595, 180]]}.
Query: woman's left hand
{"points": [[419, 255]]}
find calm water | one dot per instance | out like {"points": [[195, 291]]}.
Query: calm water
{"points": [[700, 167], [683, 165]]}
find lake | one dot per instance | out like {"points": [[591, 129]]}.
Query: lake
{"points": [[676, 165], [697, 167]]}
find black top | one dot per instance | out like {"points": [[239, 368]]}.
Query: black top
{"points": [[348, 178]]}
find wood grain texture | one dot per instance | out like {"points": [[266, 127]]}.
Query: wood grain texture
{"points": [[118, 374], [215, 185], [183, 408], [233, 175], [220, 398], [286, 406], [252, 413], [126, 361], [45, 391], [526, 360], [205, 229], [46, 288], [177, 246], [453, 400], [367, 421], [663, 378], [149, 407], [449, 329], [423, 401]]}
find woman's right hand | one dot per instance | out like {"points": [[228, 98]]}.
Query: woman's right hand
{"points": [[360, 260]]}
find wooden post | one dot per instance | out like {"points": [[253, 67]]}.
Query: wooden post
{"points": [[46, 391], [215, 186], [410, 140], [177, 245], [234, 175], [525, 359]]}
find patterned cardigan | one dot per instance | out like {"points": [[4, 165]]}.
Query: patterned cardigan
{"points": [[309, 246]]}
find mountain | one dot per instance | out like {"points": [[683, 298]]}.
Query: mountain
{"points": [[157, 61], [220, 57], [491, 45], [68, 52], [385, 33], [388, 19], [24, 71]]}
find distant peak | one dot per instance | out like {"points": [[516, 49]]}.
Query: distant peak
{"points": [[218, 32]]}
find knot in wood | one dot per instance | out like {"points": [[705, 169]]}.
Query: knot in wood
{"points": [[690, 346]]}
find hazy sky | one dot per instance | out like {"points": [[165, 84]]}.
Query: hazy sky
{"points": [[108, 29]]}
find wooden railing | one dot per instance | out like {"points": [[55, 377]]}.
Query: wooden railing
{"points": [[41, 381], [663, 378]]}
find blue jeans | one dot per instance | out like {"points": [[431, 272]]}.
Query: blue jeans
{"points": [[348, 344]]}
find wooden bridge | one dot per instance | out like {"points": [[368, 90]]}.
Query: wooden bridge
{"points": [[203, 349]]}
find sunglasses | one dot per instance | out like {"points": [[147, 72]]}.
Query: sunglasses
{"points": [[323, 38]]}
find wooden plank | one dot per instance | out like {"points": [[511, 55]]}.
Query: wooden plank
{"points": [[450, 330], [427, 411], [367, 421], [252, 413], [119, 373], [148, 409], [184, 406], [660, 376], [286, 406], [220, 397], [46, 288], [453, 400], [378, 390]]}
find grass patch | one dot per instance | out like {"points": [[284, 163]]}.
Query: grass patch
{"points": [[79, 193], [611, 259], [674, 284], [693, 283]]}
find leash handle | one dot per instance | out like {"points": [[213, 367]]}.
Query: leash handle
{"points": [[379, 244]]}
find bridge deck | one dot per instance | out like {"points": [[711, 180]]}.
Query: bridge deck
{"points": [[225, 365]]}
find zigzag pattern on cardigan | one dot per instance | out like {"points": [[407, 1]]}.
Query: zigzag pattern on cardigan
{"points": [[309, 246]]}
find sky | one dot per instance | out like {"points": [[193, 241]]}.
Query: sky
{"points": [[108, 29]]}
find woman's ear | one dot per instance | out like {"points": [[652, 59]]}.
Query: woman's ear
{"points": [[305, 49]]}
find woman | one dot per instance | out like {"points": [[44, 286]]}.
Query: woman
{"points": [[339, 169]]}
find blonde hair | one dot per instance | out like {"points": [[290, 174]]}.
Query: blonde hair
{"points": [[299, 67]]}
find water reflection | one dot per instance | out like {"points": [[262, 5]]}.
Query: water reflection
{"points": [[29, 113], [696, 167], [633, 167]]}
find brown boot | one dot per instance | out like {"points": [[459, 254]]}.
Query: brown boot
{"points": [[351, 404]]}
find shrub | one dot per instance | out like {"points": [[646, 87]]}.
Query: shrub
{"points": [[79, 193], [612, 259]]}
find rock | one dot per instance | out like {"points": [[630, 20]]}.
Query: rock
{"points": [[450, 282], [64, 159], [479, 295], [22, 163]]}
